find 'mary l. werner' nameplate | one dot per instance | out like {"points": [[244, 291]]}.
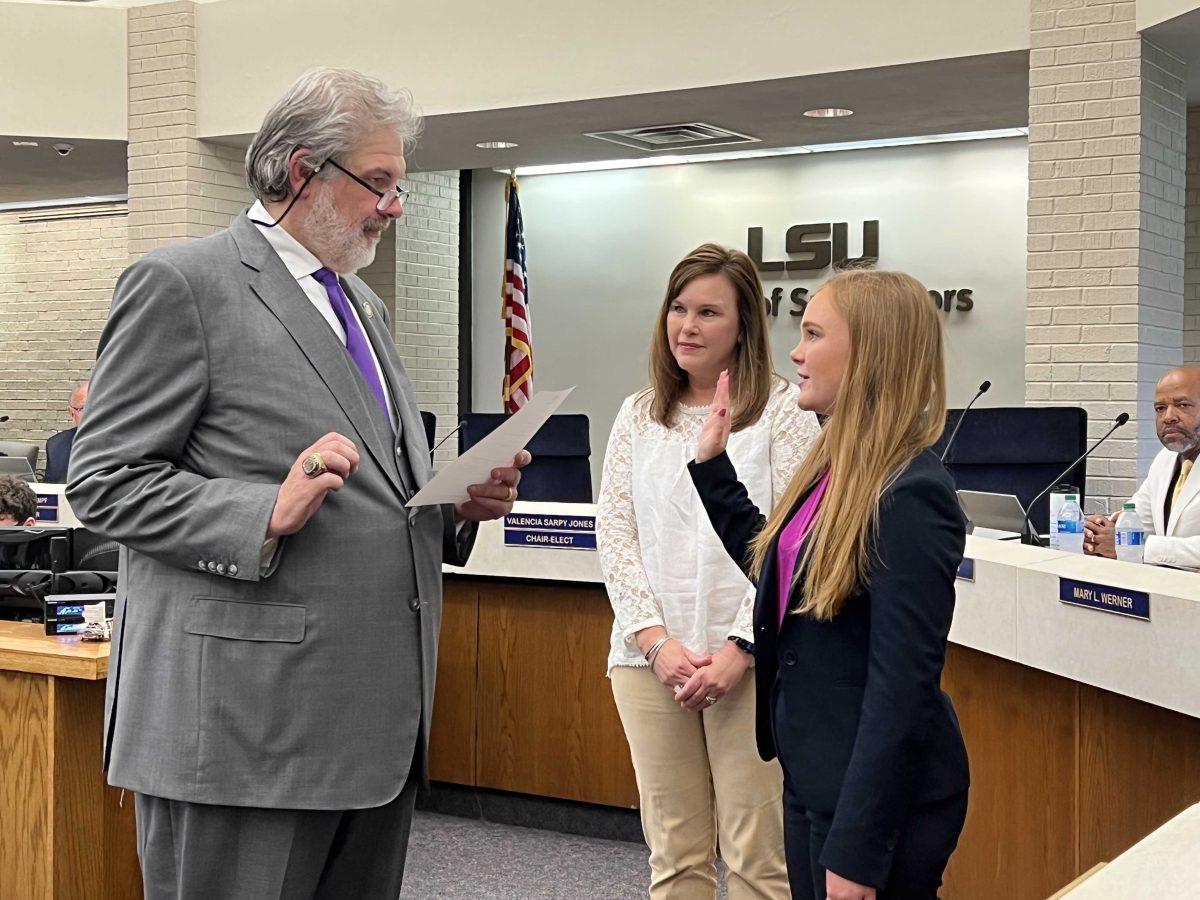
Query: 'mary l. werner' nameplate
{"points": [[1105, 598]]}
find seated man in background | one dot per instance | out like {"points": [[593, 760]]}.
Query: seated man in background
{"points": [[1168, 502], [18, 503], [58, 446]]}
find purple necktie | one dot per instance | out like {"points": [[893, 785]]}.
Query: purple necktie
{"points": [[356, 341]]}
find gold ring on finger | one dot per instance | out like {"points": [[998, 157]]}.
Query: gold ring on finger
{"points": [[314, 465]]}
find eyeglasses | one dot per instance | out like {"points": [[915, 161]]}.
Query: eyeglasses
{"points": [[386, 198]]}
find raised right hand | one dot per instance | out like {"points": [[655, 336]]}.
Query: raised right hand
{"points": [[300, 496], [715, 433]]}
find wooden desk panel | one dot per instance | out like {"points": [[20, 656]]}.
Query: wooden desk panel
{"points": [[1139, 767], [452, 741], [547, 721], [25, 784], [63, 833], [1019, 726]]}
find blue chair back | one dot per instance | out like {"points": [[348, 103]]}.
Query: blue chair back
{"points": [[561, 469], [1017, 450]]}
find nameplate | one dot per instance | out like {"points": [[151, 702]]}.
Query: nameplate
{"points": [[47, 508], [966, 570], [1122, 601], [549, 522], [553, 540]]}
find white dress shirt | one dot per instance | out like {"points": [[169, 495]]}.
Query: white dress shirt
{"points": [[301, 264], [663, 564]]}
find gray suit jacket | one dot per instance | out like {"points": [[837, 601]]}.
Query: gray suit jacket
{"points": [[307, 687]]}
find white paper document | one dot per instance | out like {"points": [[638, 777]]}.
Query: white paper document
{"points": [[496, 450]]}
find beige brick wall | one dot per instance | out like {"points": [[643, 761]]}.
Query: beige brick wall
{"points": [[179, 187], [1105, 304], [1191, 271], [57, 271], [426, 319]]}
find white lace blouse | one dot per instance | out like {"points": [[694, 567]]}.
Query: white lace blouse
{"points": [[663, 564]]}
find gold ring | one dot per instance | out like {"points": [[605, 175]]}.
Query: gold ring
{"points": [[314, 465]]}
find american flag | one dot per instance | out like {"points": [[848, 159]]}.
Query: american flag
{"points": [[518, 337]]}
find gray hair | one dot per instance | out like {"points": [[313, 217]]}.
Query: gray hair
{"points": [[325, 110]]}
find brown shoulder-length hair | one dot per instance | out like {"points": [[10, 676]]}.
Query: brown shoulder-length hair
{"points": [[890, 406], [752, 376]]}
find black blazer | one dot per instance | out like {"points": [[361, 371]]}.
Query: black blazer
{"points": [[58, 455], [854, 707]]}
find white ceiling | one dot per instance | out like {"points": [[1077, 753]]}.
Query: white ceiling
{"points": [[952, 95]]}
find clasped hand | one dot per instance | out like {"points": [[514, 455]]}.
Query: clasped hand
{"points": [[1100, 536], [695, 677]]}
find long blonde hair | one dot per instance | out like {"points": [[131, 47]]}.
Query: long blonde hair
{"points": [[890, 406], [753, 375]]}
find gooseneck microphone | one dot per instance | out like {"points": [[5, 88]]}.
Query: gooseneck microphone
{"points": [[449, 435], [983, 389], [1030, 535]]}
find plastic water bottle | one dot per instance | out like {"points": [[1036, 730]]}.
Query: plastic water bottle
{"points": [[1070, 526], [1131, 535], [1058, 496]]}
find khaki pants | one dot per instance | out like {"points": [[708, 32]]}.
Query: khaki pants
{"points": [[701, 782]]}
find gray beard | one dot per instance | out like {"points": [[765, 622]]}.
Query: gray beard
{"points": [[1181, 446], [341, 246]]}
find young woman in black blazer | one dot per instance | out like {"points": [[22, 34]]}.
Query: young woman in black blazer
{"points": [[849, 658]]}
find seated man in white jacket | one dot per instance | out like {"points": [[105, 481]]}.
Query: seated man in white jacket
{"points": [[1168, 502]]}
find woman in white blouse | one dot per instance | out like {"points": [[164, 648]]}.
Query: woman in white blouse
{"points": [[681, 640]]}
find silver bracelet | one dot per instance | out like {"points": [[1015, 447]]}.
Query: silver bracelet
{"points": [[653, 651]]}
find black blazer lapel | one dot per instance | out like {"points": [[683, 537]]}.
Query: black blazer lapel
{"points": [[271, 282]]}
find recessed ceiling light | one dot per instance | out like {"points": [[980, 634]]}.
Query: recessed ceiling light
{"points": [[828, 112], [24, 143], [496, 145]]}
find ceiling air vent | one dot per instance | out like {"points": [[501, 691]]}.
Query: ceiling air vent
{"points": [[688, 136]]}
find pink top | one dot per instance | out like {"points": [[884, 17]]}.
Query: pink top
{"points": [[793, 535]]}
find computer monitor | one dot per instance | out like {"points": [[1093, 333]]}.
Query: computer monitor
{"points": [[999, 512], [18, 467]]}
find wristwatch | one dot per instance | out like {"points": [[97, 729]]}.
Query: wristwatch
{"points": [[742, 644]]}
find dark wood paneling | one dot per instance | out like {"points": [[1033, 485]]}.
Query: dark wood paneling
{"points": [[1139, 766], [1020, 729], [25, 785], [95, 839], [122, 875], [452, 744], [78, 786], [547, 721]]}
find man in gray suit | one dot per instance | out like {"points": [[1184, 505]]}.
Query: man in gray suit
{"points": [[251, 440]]}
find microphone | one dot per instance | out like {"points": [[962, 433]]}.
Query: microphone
{"points": [[457, 428], [1030, 535], [3, 418], [983, 389]]}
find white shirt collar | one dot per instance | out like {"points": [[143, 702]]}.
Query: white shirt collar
{"points": [[298, 260]]}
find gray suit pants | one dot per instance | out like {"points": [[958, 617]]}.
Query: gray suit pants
{"points": [[197, 851]]}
